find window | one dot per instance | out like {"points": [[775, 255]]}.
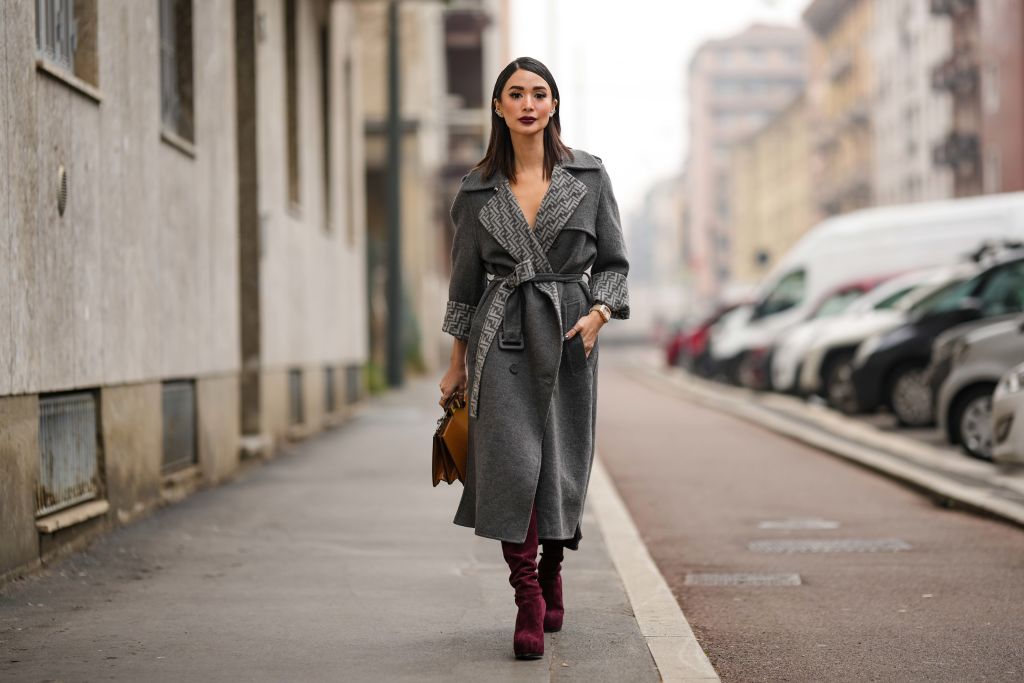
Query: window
{"points": [[66, 37], [176, 112], [788, 293], [837, 303], [291, 99], [178, 404], [325, 117], [1004, 293]]}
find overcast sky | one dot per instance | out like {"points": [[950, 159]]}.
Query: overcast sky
{"points": [[621, 69]]}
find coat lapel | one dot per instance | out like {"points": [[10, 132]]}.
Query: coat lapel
{"points": [[563, 196], [504, 220]]}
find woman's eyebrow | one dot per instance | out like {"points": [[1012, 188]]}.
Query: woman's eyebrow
{"points": [[519, 87]]}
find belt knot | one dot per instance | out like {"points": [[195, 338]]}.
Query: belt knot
{"points": [[523, 272]]}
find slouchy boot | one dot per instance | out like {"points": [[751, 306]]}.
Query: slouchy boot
{"points": [[550, 578], [528, 641]]}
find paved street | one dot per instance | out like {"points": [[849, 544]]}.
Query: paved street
{"points": [[939, 598], [335, 562]]}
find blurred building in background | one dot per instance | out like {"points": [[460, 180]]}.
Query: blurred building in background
{"points": [[183, 244], [983, 73], [771, 172], [840, 94], [736, 85], [909, 115], [449, 55], [657, 275]]}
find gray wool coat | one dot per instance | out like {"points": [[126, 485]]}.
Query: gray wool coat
{"points": [[532, 395]]}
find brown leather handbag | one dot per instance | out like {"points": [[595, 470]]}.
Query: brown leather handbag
{"points": [[451, 442]]}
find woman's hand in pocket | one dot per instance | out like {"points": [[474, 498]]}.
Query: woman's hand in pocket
{"points": [[588, 326]]}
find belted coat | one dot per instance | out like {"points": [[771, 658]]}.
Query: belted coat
{"points": [[514, 293]]}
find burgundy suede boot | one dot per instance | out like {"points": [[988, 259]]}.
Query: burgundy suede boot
{"points": [[549, 576], [528, 641]]}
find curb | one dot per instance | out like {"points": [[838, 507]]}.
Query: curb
{"points": [[893, 456], [676, 652]]}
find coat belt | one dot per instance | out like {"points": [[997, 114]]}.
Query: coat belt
{"points": [[511, 337], [506, 310]]}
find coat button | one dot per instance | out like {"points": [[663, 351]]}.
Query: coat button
{"points": [[514, 369]]}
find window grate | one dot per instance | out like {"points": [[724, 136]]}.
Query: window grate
{"points": [[178, 403], [353, 373], [68, 451], [330, 400], [297, 413]]}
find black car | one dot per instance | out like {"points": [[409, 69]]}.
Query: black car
{"points": [[890, 369]]}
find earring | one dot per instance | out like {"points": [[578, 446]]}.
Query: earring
{"points": [[499, 113]]}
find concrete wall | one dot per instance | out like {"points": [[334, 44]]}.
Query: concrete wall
{"points": [[19, 472], [138, 279]]}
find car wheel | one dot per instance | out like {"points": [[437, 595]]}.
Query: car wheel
{"points": [[910, 397], [971, 418], [838, 389]]}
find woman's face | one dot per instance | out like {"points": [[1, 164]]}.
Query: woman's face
{"points": [[526, 103]]}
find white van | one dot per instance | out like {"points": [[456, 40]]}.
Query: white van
{"points": [[872, 243]]}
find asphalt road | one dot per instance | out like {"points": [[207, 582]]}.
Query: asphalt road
{"points": [[702, 487]]}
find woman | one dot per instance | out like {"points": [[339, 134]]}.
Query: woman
{"points": [[530, 218]]}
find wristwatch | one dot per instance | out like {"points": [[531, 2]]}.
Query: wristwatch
{"points": [[603, 311]]}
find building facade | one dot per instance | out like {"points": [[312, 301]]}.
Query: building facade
{"points": [[736, 85], [771, 192], [181, 269], [840, 94], [910, 117]]}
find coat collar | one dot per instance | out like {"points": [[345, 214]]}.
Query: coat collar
{"points": [[580, 160]]}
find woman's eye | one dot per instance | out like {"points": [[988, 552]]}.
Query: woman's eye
{"points": [[540, 96], [515, 95]]}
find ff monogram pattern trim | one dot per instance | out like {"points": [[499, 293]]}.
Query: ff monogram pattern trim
{"points": [[610, 287], [458, 318]]}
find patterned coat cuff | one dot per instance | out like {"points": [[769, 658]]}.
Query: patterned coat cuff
{"points": [[458, 318], [610, 288]]}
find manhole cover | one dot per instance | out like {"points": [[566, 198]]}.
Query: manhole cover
{"points": [[799, 523], [742, 580], [845, 545]]}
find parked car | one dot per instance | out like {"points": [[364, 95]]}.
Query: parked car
{"points": [[870, 243], [724, 353], [1008, 418], [889, 369], [689, 347], [825, 367], [789, 351], [967, 363]]}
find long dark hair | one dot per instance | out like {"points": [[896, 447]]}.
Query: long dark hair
{"points": [[500, 155]]}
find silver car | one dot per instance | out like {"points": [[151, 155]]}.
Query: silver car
{"points": [[1008, 418], [967, 363]]}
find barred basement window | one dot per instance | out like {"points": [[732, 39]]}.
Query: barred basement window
{"points": [[176, 92], [353, 383], [178, 403], [297, 409], [69, 470], [66, 36], [330, 402]]}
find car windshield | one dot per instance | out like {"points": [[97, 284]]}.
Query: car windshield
{"points": [[893, 299], [837, 303], [944, 298]]}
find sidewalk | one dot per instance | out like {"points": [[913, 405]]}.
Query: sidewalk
{"points": [[336, 561], [945, 474]]}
